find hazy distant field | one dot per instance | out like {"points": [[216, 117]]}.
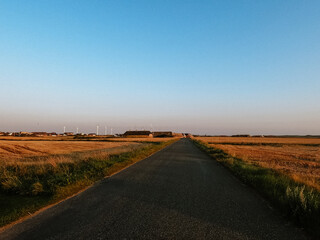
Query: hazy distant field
{"points": [[147, 139], [48, 138], [85, 138], [296, 157], [260, 140]]}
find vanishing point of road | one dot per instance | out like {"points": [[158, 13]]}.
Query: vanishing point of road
{"points": [[177, 193]]}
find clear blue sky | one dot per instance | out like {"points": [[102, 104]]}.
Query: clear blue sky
{"points": [[215, 67]]}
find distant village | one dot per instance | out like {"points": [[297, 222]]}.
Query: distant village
{"points": [[126, 134]]}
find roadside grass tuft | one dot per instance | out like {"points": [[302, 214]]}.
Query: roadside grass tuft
{"points": [[25, 189], [297, 201]]}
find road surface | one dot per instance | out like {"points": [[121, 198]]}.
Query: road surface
{"points": [[177, 193]]}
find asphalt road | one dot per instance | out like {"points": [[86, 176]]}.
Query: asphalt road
{"points": [[177, 193]]}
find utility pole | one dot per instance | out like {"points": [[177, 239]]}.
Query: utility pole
{"points": [[97, 130], [64, 129]]}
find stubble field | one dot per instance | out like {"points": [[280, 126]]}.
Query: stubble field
{"points": [[26, 149], [298, 158], [15, 150]]}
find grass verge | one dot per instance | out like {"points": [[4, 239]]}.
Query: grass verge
{"points": [[26, 189], [297, 201]]}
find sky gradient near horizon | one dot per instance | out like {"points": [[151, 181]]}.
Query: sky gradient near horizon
{"points": [[206, 67]]}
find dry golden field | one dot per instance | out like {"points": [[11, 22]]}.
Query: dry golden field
{"points": [[297, 157], [41, 150], [31, 138], [10, 150]]}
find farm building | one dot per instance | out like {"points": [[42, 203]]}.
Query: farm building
{"points": [[53, 134], [39, 134], [68, 134], [188, 135], [241, 135], [25, 134], [162, 134], [137, 134]]}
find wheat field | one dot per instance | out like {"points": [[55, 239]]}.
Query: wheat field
{"points": [[297, 157], [10, 150]]}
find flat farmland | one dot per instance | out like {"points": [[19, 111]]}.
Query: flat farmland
{"points": [[260, 140], [88, 138], [32, 138], [298, 158], [10, 150], [20, 147]]}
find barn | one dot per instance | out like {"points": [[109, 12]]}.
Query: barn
{"points": [[162, 134], [139, 134]]}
